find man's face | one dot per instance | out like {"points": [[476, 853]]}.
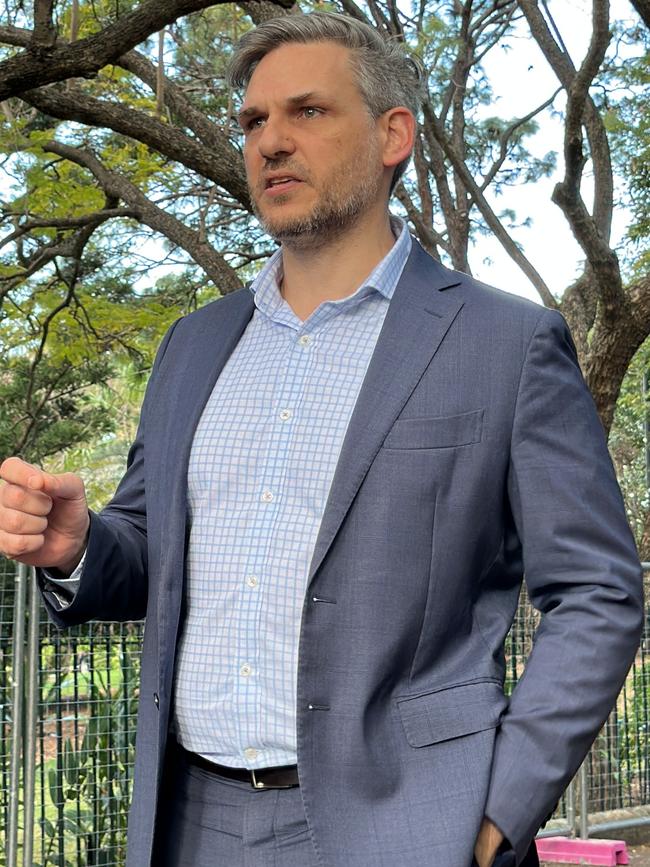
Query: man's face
{"points": [[312, 151]]}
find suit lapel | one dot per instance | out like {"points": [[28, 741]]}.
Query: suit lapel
{"points": [[417, 320]]}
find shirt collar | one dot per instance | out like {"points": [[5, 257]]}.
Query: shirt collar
{"points": [[383, 278]]}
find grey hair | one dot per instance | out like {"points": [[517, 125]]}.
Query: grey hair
{"points": [[386, 75]]}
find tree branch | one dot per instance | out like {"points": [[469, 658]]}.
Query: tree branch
{"points": [[488, 214], [429, 238], [492, 14], [44, 30], [65, 222], [351, 9], [643, 9], [563, 67], [65, 248], [260, 11], [439, 171], [423, 184], [601, 258], [215, 266], [38, 65], [177, 102], [212, 136], [223, 167], [459, 226], [17, 36], [507, 134], [80, 240]]}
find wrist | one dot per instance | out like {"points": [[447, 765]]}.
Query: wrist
{"points": [[487, 843], [66, 569], [68, 566]]}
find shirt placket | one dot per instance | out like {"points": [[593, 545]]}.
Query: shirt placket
{"points": [[294, 363]]}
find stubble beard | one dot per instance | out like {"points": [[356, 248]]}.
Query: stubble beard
{"points": [[346, 195]]}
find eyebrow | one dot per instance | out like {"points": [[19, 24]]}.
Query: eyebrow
{"points": [[292, 101]]}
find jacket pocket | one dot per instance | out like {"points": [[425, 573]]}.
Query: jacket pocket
{"points": [[436, 433], [452, 712]]}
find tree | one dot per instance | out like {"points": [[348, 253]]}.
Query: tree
{"points": [[118, 126]]}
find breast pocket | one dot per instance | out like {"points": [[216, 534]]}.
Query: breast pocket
{"points": [[441, 432]]}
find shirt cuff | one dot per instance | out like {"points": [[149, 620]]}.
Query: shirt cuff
{"points": [[68, 587]]}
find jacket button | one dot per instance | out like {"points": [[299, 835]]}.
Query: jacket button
{"points": [[156, 700]]}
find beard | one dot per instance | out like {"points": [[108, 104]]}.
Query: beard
{"points": [[346, 194]]}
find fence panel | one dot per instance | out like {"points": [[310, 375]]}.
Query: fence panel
{"points": [[7, 601]]}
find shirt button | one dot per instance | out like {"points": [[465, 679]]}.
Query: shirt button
{"points": [[245, 670], [285, 414], [252, 581], [250, 753], [304, 340], [267, 496]]}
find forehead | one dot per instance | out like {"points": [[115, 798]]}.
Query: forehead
{"points": [[322, 67]]}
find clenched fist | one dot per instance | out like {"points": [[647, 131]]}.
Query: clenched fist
{"points": [[43, 518]]}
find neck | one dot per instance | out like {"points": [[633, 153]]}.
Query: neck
{"points": [[328, 271]]}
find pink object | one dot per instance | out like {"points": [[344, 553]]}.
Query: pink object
{"points": [[572, 851]]}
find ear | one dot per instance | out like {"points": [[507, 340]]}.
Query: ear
{"points": [[398, 128]]}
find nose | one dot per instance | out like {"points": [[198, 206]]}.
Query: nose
{"points": [[274, 140]]}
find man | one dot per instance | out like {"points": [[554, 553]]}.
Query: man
{"points": [[338, 481]]}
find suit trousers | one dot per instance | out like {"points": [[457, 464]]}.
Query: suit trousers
{"points": [[206, 820]]}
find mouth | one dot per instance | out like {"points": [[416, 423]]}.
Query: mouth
{"points": [[280, 184]]}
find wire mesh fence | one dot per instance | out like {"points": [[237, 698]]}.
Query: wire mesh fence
{"points": [[80, 735], [70, 699], [7, 597]]}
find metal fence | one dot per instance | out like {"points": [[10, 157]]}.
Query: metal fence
{"points": [[67, 738], [68, 703]]}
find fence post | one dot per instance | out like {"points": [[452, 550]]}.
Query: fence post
{"points": [[31, 721], [584, 801], [570, 796], [17, 689]]}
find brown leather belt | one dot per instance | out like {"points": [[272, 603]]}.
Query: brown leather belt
{"points": [[280, 777]]}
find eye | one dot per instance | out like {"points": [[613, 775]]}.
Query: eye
{"points": [[253, 123], [309, 111]]}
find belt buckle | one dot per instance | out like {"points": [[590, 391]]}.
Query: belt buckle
{"points": [[260, 784], [256, 784]]}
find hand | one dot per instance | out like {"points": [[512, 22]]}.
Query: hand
{"points": [[43, 518], [487, 843]]}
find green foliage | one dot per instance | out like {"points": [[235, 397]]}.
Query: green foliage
{"points": [[627, 444], [62, 410], [201, 49], [627, 120]]}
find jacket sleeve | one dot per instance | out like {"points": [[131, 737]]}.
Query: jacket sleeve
{"points": [[113, 583], [582, 573]]}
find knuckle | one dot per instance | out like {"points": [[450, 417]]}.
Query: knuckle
{"points": [[13, 522], [14, 546], [14, 496], [26, 545], [19, 547], [10, 464]]}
